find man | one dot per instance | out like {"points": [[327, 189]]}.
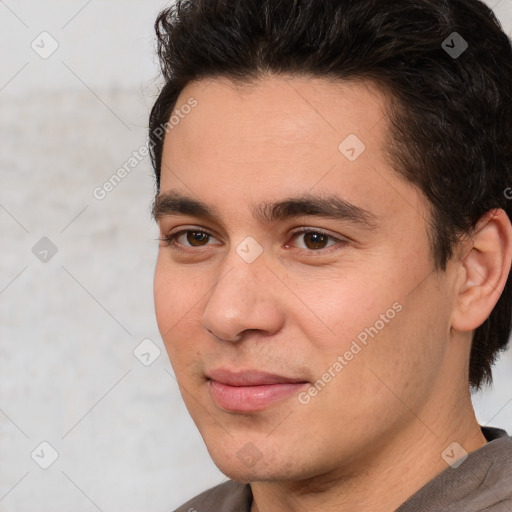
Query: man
{"points": [[333, 196]]}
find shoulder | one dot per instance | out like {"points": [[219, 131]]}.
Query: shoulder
{"points": [[482, 482], [229, 496]]}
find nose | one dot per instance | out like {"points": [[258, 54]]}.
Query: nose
{"points": [[245, 298]]}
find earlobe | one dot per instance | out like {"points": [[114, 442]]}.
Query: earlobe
{"points": [[483, 270]]}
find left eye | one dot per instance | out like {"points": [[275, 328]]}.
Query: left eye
{"points": [[315, 240]]}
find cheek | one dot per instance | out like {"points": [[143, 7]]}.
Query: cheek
{"points": [[163, 292], [178, 301], [372, 320], [173, 299], [338, 307]]}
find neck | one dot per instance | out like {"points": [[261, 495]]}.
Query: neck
{"points": [[409, 460]]}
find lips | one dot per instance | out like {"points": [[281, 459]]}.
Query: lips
{"points": [[250, 378], [250, 390]]}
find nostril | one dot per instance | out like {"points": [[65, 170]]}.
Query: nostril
{"points": [[220, 338]]}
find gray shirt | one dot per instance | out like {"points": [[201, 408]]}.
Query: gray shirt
{"points": [[482, 483]]}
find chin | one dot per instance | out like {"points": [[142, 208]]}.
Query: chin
{"points": [[242, 477], [247, 466], [248, 475]]}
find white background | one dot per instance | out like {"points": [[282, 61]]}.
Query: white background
{"points": [[68, 327]]}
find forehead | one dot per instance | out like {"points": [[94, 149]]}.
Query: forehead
{"points": [[279, 112], [283, 136]]}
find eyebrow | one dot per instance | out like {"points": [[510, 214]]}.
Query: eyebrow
{"points": [[326, 205]]}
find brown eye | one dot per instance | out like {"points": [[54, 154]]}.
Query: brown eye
{"points": [[187, 239], [194, 238], [314, 240]]}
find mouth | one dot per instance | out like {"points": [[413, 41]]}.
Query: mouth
{"points": [[250, 390]]}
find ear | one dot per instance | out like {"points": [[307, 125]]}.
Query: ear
{"points": [[483, 271]]}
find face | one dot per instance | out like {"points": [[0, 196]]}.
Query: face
{"points": [[292, 347]]}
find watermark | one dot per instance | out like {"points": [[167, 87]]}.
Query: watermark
{"points": [[454, 45], [137, 156], [454, 455], [44, 455], [249, 249], [508, 193], [175, 119], [109, 185], [146, 352], [249, 454], [355, 348], [352, 147], [45, 45], [44, 250]]}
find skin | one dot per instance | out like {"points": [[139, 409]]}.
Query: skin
{"points": [[382, 422]]}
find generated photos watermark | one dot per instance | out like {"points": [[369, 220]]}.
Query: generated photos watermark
{"points": [[138, 155], [355, 348]]}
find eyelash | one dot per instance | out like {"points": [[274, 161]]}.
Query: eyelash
{"points": [[170, 240]]}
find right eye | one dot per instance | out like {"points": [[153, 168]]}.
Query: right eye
{"points": [[190, 238]]}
